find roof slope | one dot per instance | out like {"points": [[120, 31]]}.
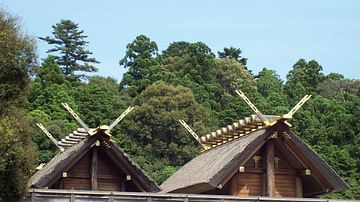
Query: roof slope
{"points": [[216, 166], [207, 171], [52, 171], [332, 177]]}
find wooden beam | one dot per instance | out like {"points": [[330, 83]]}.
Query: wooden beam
{"points": [[299, 188], [94, 169], [270, 169]]}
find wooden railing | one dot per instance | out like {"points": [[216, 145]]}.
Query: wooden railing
{"points": [[54, 195]]}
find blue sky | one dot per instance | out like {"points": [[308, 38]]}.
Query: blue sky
{"points": [[272, 34]]}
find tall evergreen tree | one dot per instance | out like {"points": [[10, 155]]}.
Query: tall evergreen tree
{"points": [[139, 57], [70, 43]]}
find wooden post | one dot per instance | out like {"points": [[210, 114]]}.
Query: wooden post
{"points": [[233, 185], [122, 185], [270, 172], [299, 188], [94, 169]]}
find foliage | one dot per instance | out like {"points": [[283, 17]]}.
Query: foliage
{"points": [[48, 90], [16, 156], [17, 59], [268, 82], [98, 101], [70, 44], [303, 78], [233, 53], [153, 126], [139, 57]]}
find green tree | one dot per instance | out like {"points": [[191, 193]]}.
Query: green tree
{"points": [[140, 56], [16, 156], [98, 101], [192, 60], [232, 76], [157, 140], [339, 89], [268, 82], [306, 75], [17, 59], [48, 90], [195, 67], [70, 44], [233, 53]]}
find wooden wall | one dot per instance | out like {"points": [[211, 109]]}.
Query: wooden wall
{"points": [[252, 181], [109, 177], [247, 184]]}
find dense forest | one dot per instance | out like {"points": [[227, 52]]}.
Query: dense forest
{"points": [[186, 81]]}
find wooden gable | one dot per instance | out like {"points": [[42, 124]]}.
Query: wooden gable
{"points": [[95, 163], [292, 173], [251, 178], [107, 177], [267, 162]]}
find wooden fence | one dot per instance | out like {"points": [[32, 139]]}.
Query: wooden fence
{"points": [[54, 195]]}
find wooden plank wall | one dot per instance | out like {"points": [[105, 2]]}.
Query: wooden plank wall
{"points": [[253, 181], [108, 176], [285, 185], [247, 184]]}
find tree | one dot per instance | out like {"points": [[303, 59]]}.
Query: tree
{"points": [[233, 53], [17, 60], [341, 90], [70, 44], [48, 90], [305, 75], [267, 82], [140, 56], [16, 156], [157, 141], [192, 60], [98, 101], [195, 67]]}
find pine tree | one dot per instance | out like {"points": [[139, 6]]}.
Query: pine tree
{"points": [[70, 43]]}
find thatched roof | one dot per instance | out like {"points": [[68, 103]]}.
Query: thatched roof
{"points": [[208, 170], [216, 166], [52, 171]]}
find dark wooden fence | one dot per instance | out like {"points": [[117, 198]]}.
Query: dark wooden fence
{"points": [[54, 195]]}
